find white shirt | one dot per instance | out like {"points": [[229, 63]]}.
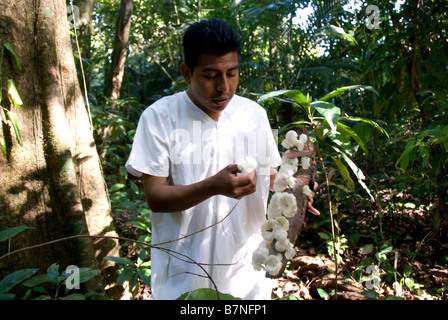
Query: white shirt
{"points": [[176, 139]]}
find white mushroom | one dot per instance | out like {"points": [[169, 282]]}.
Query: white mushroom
{"points": [[273, 264], [247, 165]]}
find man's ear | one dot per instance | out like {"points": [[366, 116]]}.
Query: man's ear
{"points": [[186, 72]]}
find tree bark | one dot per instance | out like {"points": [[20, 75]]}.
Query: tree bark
{"points": [[53, 183], [123, 28]]}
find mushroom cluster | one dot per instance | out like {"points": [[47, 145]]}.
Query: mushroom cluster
{"points": [[281, 208]]}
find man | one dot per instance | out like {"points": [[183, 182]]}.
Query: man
{"points": [[187, 148]]}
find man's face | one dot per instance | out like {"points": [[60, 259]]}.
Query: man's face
{"points": [[213, 82]]}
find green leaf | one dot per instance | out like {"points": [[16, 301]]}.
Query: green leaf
{"points": [[36, 280], [6, 296], [407, 271], [15, 60], [205, 294], [11, 232], [329, 111], [53, 273], [116, 187], [324, 235], [336, 31], [395, 298], [323, 294], [348, 132], [135, 188], [358, 172], [297, 96], [122, 261], [14, 278], [370, 294], [345, 173], [343, 89], [125, 275], [371, 122], [409, 282], [14, 94], [271, 94], [145, 278], [403, 160], [73, 296], [366, 249], [12, 118], [85, 274]]}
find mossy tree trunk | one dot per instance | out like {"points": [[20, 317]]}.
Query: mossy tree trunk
{"points": [[53, 183]]}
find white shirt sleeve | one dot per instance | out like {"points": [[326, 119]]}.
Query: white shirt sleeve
{"points": [[150, 149]]}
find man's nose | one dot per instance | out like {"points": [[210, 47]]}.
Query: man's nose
{"points": [[223, 84]]}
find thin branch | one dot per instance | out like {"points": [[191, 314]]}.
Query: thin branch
{"points": [[192, 234], [335, 249]]}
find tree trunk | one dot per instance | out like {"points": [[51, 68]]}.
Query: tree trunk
{"points": [[53, 183], [123, 28], [84, 30]]}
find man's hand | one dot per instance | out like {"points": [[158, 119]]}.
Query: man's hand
{"points": [[311, 200], [162, 197], [229, 184]]}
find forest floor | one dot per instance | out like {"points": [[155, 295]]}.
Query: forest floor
{"points": [[403, 249]]}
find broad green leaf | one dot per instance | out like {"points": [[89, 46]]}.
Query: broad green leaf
{"points": [[36, 280], [329, 111], [358, 172], [11, 232], [14, 94], [205, 294], [271, 94], [85, 274], [15, 60], [370, 294], [135, 188], [145, 278], [409, 282], [323, 294], [371, 122], [122, 261], [73, 296], [6, 296], [366, 249], [343, 89], [324, 235], [125, 275], [336, 31], [403, 160], [297, 96], [345, 173], [12, 118], [53, 273], [395, 298], [348, 132], [14, 278], [116, 187]]}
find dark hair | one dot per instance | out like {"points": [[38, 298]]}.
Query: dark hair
{"points": [[210, 36]]}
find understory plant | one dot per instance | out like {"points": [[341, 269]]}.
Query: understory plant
{"points": [[337, 139]]}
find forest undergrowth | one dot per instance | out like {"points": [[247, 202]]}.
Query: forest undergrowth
{"points": [[386, 251]]}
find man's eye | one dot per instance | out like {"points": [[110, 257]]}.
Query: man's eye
{"points": [[209, 77]]}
